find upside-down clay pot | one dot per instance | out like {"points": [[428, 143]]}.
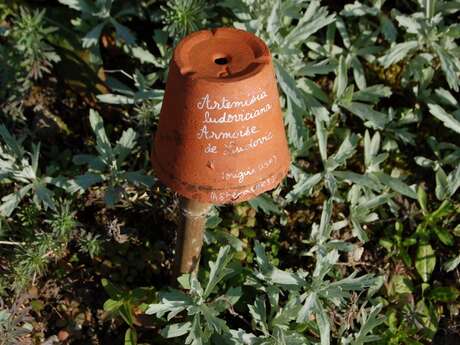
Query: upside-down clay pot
{"points": [[221, 136]]}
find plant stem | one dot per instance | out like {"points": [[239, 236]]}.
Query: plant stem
{"points": [[190, 236], [9, 243]]}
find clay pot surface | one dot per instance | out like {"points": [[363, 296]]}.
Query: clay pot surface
{"points": [[221, 136]]}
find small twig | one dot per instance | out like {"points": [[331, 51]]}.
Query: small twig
{"points": [[118, 71], [10, 243]]}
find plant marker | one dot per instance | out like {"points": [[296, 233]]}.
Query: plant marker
{"points": [[221, 135]]}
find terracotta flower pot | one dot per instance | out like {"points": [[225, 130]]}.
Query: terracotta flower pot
{"points": [[221, 136]]}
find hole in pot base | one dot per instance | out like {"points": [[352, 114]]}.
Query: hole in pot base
{"points": [[221, 61]]}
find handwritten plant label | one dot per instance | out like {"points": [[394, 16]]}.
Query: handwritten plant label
{"points": [[219, 112], [244, 135]]}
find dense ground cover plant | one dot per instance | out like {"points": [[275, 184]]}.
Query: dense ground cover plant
{"points": [[25, 56], [359, 245]]}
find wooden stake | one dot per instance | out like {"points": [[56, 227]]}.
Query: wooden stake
{"points": [[190, 236]]}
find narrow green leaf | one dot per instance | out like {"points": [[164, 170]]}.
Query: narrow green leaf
{"points": [[425, 261], [422, 199], [321, 134], [444, 235], [444, 294], [131, 337]]}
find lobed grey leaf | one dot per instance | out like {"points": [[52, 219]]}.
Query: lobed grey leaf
{"points": [[358, 230], [288, 85], [11, 201], [94, 162], [316, 108], [223, 236], [314, 18], [346, 150], [138, 177], [311, 88], [265, 203], [195, 336], [125, 144], [324, 263], [123, 32], [368, 323], [303, 186], [340, 25], [448, 120], [397, 52], [45, 196], [176, 329], [396, 184], [87, 180], [446, 97], [14, 146], [240, 337], [218, 269], [307, 308], [92, 37], [449, 66], [97, 125], [297, 131], [322, 320], [216, 324], [387, 28], [273, 274], [273, 22], [372, 94], [411, 24], [258, 312], [373, 118]]}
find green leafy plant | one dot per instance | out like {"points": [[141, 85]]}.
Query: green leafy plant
{"points": [[30, 35], [202, 309], [123, 304], [429, 46], [26, 57], [345, 251], [107, 166], [19, 167], [15, 323], [182, 17], [431, 226], [97, 16], [276, 322]]}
